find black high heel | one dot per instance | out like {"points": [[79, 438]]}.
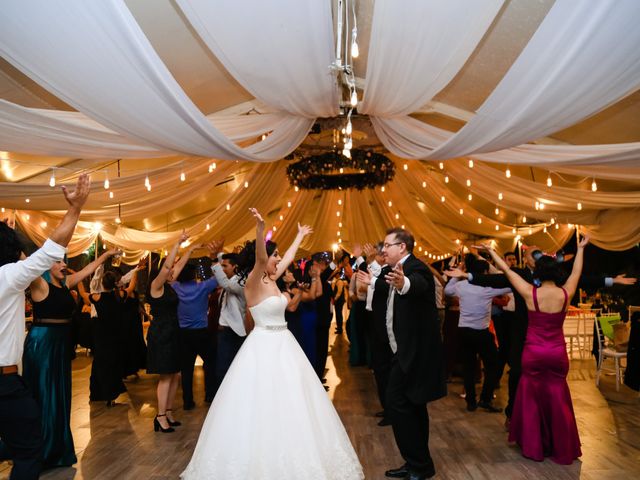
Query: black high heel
{"points": [[173, 423], [158, 427]]}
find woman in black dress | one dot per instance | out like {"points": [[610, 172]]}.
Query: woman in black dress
{"points": [[163, 345], [134, 348], [106, 371], [47, 357]]}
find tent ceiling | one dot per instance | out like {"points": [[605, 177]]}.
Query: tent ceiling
{"points": [[213, 89]]}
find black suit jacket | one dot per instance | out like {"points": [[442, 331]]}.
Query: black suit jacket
{"points": [[417, 332]]}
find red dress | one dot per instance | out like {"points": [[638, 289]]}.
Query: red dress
{"points": [[543, 422]]}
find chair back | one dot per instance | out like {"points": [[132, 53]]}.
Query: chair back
{"points": [[606, 322], [571, 326]]}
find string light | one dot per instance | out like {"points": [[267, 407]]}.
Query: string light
{"points": [[52, 180], [424, 184], [274, 228], [446, 179], [340, 224], [28, 200], [441, 165], [382, 189], [513, 230], [296, 188], [497, 227], [470, 163], [541, 205], [524, 219], [390, 203], [468, 182], [246, 184], [594, 186], [340, 202], [208, 226], [354, 98], [553, 220], [461, 211], [500, 196], [406, 167], [288, 204], [281, 217], [106, 184], [110, 194], [579, 206], [212, 167], [479, 220], [549, 182], [397, 216], [530, 230], [183, 177], [442, 198], [27, 216], [2, 210], [508, 173], [228, 207], [557, 226], [537, 206], [470, 197], [337, 214], [118, 221], [544, 229], [43, 224], [147, 183], [497, 211]]}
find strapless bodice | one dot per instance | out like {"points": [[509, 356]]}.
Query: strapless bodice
{"points": [[269, 313]]}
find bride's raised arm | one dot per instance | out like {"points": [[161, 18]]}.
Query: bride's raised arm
{"points": [[290, 254]]}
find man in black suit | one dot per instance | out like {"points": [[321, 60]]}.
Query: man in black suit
{"points": [[417, 367]]}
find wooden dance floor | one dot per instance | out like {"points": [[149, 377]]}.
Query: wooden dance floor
{"points": [[119, 442]]}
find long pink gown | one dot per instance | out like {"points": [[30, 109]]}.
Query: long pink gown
{"points": [[543, 422]]}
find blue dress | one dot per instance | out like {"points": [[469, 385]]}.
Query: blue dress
{"points": [[47, 371], [308, 321]]}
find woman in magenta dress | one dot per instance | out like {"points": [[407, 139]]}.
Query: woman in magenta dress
{"points": [[543, 423]]}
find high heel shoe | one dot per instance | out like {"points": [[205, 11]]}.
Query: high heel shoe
{"points": [[158, 427], [173, 423]]}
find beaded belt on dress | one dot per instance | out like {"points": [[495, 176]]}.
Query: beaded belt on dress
{"points": [[282, 326]]}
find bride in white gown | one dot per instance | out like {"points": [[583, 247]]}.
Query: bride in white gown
{"points": [[271, 417]]}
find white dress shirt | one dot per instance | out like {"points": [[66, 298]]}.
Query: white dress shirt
{"points": [[392, 294], [375, 268], [14, 279], [234, 304]]}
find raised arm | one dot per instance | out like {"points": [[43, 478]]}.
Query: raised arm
{"points": [[520, 284], [572, 282], [157, 286], [76, 199], [290, 254], [75, 278], [182, 261], [261, 248]]}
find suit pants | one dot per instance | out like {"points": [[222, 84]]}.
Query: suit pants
{"points": [[410, 422], [20, 428], [323, 326], [229, 342], [194, 342], [380, 358], [473, 343]]}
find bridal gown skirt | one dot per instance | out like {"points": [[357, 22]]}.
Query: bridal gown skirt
{"points": [[272, 419]]}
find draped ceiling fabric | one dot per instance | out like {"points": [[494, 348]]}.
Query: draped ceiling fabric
{"points": [[122, 114]]}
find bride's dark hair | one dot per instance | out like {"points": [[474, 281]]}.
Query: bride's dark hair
{"points": [[247, 258]]}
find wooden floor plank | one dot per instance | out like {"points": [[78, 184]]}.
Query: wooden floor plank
{"points": [[119, 442]]}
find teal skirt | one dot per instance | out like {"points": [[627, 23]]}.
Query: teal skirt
{"points": [[47, 370]]}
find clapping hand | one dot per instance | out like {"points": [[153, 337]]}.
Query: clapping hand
{"points": [[364, 277], [395, 277], [183, 237], [357, 250]]}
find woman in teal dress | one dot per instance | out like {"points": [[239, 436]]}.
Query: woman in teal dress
{"points": [[47, 358]]}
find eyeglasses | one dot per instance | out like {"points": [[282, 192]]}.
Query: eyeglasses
{"points": [[387, 245]]}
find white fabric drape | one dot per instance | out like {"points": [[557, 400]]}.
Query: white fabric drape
{"points": [[62, 133], [287, 64], [93, 55], [416, 49], [407, 137], [583, 57]]}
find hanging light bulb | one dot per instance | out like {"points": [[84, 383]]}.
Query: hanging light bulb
{"points": [[296, 188], [337, 213], [497, 211], [468, 182], [110, 194], [470, 163], [406, 167], [549, 182], [524, 219], [349, 128], [147, 183], [544, 229], [340, 224], [274, 228], [382, 188], [246, 184], [183, 177], [553, 220], [497, 227], [442, 199], [479, 220], [557, 226], [28, 200], [441, 165], [281, 217], [355, 51], [446, 179], [397, 216], [390, 203], [289, 204], [339, 201], [500, 196], [470, 197], [118, 221], [106, 184], [208, 226], [346, 152], [579, 206], [228, 207], [354, 98], [513, 230], [341, 170], [508, 173], [461, 211], [541, 205], [52, 180], [424, 184], [594, 186]]}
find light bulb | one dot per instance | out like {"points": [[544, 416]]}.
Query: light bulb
{"points": [[461, 211], [479, 220], [110, 194], [355, 51], [289, 204], [470, 197], [296, 188], [28, 200], [513, 230], [246, 184], [468, 182], [354, 99], [446, 179], [530, 230], [183, 177], [544, 229], [497, 227], [208, 226], [508, 173], [579, 206], [500, 196], [281, 217], [497, 211], [118, 220], [537, 205], [228, 207], [594, 186], [274, 228], [397, 216], [346, 152], [557, 226], [43, 224], [340, 202], [341, 170], [147, 183], [349, 129], [340, 224], [424, 184], [553, 220], [337, 214], [442, 199], [524, 219], [52, 180], [441, 165], [390, 203], [106, 184], [470, 163], [541, 206], [549, 182], [406, 167]]}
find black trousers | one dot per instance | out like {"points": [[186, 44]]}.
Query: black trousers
{"points": [[517, 336], [228, 345], [503, 323], [473, 343], [194, 342], [20, 428], [322, 342], [338, 306], [380, 358], [410, 422]]}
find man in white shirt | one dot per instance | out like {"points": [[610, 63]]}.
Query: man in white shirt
{"points": [[232, 328], [20, 428]]}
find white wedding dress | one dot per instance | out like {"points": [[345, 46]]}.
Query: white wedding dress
{"points": [[271, 417]]}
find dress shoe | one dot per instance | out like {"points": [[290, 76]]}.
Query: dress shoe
{"points": [[419, 476], [188, 406], [384, 422], [471, 407], [172, 423], [400, 472], [157, 427], [489, 407]]}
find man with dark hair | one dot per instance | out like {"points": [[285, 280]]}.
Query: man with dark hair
{"points": [[417, 374], [233, 327], [510, 258], [20, 428], [195, 339]]}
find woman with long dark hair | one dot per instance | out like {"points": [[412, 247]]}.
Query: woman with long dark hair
{"points": [[543, 422], [271, 419], [48, 351]]}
